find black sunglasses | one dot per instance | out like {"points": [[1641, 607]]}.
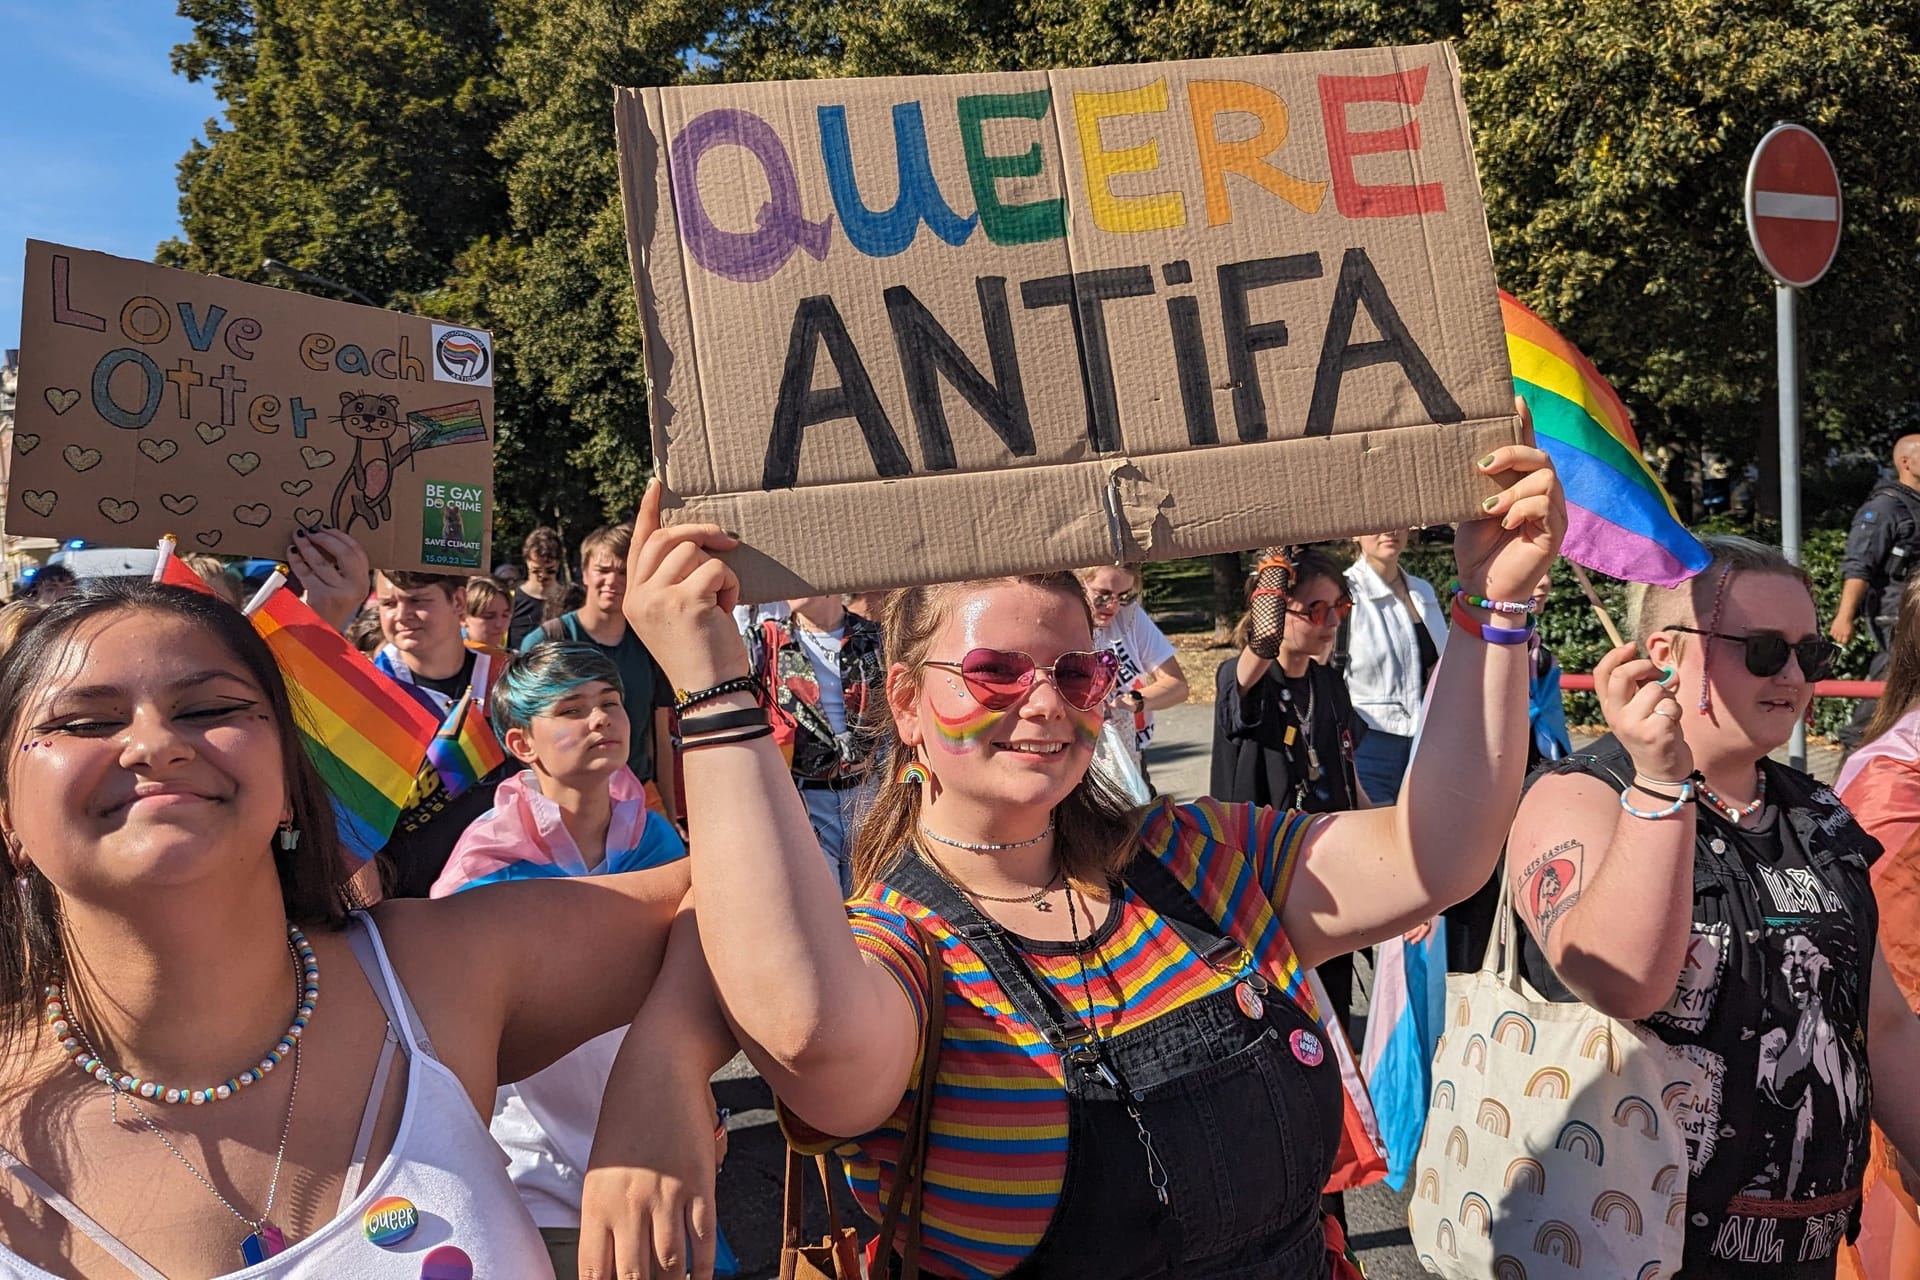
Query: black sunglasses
{"points": [[1766, 651]]}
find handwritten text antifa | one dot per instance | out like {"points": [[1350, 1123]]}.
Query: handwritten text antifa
{"points": [[129, 388], [930, 357]]}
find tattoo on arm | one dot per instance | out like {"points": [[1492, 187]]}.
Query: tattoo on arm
{"points": [[1551, 884]]}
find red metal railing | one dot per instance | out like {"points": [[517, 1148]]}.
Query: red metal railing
{"points": [[1574, 683]]}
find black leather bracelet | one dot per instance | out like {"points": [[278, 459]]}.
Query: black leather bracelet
{"points": [[739, 684], [717, 721], [722, 739]]}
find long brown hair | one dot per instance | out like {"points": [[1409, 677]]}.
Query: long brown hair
{"points": [[1310, 564], [313, 879], [1094, 827], [1903, 670]]}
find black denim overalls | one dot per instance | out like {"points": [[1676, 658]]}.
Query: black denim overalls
{"points": [[1232, 1121]]}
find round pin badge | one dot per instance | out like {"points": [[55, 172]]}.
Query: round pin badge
{"points": [[1307, 1048], [390, 1220], [1249, 1000], [448, 1262]]}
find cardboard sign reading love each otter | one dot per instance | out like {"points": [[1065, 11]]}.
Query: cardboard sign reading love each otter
{"points": [[908, 330], [158, 401]]}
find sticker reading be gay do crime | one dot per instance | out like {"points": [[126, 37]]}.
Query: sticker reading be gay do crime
{"points": [[1001, 323], [158, 401]]}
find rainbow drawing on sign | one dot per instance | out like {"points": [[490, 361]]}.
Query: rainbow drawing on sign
{"points": [[1609, 1203]]}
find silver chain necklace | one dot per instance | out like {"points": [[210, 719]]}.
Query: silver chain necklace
{"points": [[1037, 899], [987, 848], [263, 1239]]}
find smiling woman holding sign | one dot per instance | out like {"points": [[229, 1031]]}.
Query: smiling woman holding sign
{"points": [[1131, 1081]]}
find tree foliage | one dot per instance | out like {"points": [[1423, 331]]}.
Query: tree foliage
{"points": [[457, 157]]}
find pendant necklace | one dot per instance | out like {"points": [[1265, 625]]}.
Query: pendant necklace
{"points": [[1037, 899], [263, 1239], [1733, 813], [1314, 771]]}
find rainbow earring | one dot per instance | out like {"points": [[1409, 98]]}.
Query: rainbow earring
{"points": [[913, 773]]}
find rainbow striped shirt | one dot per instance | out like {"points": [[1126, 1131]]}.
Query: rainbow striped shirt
{"points": [[999, 1137]]}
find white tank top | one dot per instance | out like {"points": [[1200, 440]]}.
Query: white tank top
{"points": [[444, 1167]]}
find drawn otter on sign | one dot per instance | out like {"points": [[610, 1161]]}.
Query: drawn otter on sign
{"points": [[453, 530], [365, 492]]}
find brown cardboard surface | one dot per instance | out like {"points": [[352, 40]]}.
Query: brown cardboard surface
{"points": [[158, 401], [1113, 313]]}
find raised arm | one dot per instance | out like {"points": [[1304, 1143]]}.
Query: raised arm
{"points": [[1606, 894], [1369, 875], [832, 1033]]}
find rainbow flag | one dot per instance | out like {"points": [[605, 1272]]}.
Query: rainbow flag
{"points": [[1620, 521], [363, 732], [173, 572], [465, 749], [449, 424]]}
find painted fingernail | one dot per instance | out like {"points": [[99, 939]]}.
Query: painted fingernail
{"points": [[1490, 503], [1486, 462]]}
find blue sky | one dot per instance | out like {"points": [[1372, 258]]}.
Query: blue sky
{"points": [[92, 121]]}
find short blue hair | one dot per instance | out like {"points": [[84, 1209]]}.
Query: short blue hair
{"points": [[537, 678]]}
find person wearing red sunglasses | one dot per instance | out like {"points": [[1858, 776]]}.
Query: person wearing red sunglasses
{"points": [[1125, 1030], [1674, 874]]}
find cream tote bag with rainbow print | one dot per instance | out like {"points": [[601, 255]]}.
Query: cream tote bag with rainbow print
{"points": [[1555, 1146]]}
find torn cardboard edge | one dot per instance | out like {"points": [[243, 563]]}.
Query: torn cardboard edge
{"points": [[1011, 522]]}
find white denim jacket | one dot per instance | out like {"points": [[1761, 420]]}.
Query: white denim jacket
{"points": [[1384, 674]]}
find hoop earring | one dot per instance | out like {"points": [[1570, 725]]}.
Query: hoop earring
{"points": [[289, 836]]}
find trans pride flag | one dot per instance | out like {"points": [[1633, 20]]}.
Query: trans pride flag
{"points": [[1620, 521]]}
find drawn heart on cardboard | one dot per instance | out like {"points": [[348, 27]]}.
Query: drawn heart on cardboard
{"points": [[25, 443], [177, 504], [117, 511], [209, 431], [308, 518], [40, 501], [295, 488], [315, 458], [159, 450], [244, 463], [60, 401], [81, 459], [210, 539], [255, 514]]}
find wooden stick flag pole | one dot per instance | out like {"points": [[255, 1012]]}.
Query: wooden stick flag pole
{"points": [[1593, 598]]}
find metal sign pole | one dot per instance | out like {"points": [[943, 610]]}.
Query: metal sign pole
{"points": [[1786, 337]]}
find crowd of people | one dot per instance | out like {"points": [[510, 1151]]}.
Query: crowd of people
{"points": [[902, 850]]}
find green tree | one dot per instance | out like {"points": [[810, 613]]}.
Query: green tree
{"points": [[1613, 138]]}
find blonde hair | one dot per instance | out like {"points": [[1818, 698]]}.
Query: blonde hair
{"points": [[1651, 609], [1085, 576], [212, 572], [1095, 827]]}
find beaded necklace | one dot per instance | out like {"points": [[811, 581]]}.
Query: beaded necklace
{"points": [[1733, 813]]}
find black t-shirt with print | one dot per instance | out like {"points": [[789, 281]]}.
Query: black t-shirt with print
{"points": [[1771, 1003]]}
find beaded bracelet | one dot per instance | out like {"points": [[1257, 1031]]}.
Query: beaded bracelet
{"points": [[1654, 815], [1487, 631], [722, 739], [1496, 606], [717, 721], [739, 684]]}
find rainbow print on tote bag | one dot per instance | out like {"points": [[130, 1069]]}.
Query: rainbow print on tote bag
{"points": [[1554, 1147]]}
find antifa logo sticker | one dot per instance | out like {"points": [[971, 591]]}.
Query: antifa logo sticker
{"points": [[462, 355]]}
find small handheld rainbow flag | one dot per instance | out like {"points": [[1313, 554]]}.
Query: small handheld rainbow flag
{"points": [[363, 733], [465, 749], [169, 569], [1620, 521]]}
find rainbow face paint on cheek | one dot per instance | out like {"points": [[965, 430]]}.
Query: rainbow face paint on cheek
{"points": [[1086, 725], [962, 735]]}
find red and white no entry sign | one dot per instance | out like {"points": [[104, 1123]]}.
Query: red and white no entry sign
{"points": [[1793, 205]]}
